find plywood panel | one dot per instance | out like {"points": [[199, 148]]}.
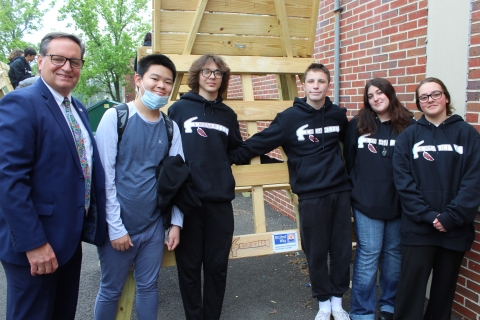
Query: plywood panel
{"points": [[295, 8], [243, 64], [230, 45], [260, 174], [177, 21]]}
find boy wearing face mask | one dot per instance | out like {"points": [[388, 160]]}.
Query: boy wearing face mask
{"points": [[135, 224]]}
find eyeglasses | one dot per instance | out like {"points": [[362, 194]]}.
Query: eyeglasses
{"points": [[216, 73], [61, 60], [435, 96]]}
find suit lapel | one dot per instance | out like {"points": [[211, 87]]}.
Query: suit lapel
{"points": [[60, 119]]}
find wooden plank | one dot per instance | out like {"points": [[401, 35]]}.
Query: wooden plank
{"points": [[221, 23], [260, 174], [230, 45], [269, 187], [192, 32], [242, 64], [125, 304], [258, 208], [283, 28], [176, 87], [313, 27], [156, 25], [295, 8]]}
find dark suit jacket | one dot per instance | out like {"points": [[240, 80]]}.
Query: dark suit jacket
{"points": [[41, 181]]}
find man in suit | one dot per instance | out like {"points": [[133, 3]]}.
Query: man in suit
{"points": [[52, 186]]}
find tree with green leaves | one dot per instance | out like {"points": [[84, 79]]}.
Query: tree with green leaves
{"points": [[112, 31], [18, 18]]}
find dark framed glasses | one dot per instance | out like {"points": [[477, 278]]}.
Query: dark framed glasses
{"points": [[61, 60], [216, 73], [435, 96]]}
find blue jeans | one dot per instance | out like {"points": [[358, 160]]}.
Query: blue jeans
{"points": [[146, 255], [378, 243]]}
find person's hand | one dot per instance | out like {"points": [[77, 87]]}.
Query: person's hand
{"points": [[173, 238], [438, 225], [42, 260], [122, 243]]}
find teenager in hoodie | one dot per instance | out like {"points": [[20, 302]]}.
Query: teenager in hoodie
{"points": [[309, 133], [437, 174], [209, 129], [368, 151]]}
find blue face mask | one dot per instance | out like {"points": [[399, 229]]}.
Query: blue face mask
{"points": [[152, 100]]}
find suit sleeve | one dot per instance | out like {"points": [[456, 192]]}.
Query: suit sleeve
{"points": [[464, 207], [413, 202], [18, 133], [260, 143]]}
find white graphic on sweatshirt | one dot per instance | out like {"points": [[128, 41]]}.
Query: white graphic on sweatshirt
{"points": [[417, 148], [303, 131], [363, 139], [189, 124]]}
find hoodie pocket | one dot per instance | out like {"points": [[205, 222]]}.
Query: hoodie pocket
{"points": [[213, 180], [319, 171]]}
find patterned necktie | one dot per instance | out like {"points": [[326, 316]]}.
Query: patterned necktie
{"points": [[82, 153]]}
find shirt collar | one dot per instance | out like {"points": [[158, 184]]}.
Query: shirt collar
{"points": [[57, 96]]}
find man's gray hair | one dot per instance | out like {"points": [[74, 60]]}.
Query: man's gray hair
{"points": [[56, 35]]}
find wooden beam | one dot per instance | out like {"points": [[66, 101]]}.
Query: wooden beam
{"points": [[313, 27], [243, 246], [125, 304], [156, 22], [260, 174], [192, 33], [176, 87], [283, 28]]}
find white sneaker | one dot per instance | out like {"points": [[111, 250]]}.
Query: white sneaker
{"points": [[322, 315], [340, 315]]}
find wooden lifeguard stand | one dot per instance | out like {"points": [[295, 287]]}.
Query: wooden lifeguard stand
{"points": [[5, 84], [256, 38]]}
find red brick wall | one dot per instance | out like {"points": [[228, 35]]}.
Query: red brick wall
{"points": [[467, 297]]}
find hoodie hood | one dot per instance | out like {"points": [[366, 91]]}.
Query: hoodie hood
{"points": [[208, 105]]}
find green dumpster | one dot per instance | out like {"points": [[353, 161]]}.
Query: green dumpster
{"points": [[96, 111]]}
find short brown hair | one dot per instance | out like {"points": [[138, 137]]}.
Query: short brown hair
{"points": [[316, 67], [449, 108], [196, 69]]}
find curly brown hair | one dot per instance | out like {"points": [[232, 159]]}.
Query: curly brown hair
{"points": [[400, 117], [196, 69]]}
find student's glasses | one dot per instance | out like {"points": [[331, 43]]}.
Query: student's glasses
{"points": [[61, 60], [435, 96], [216, 73]]}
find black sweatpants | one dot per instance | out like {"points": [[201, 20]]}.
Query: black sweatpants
{"points": [[205, 239], [326, 228], [417, 263]]}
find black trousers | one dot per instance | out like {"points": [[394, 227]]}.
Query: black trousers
{"points": [[326, 229], [205, 240], [417, 263], [47, 297]]}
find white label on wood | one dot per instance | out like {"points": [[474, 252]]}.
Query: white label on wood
{"points": [[284, 241]]}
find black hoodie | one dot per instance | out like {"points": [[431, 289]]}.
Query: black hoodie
{"points": [[310, 139], [437, 174], [209, 129], [368, 159]]}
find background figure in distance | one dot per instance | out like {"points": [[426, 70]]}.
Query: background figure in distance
{"points": [[209, 130], [14, 54], [436, 167], [147, 42], [20, 67], [368, 150], [52, 185]]}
